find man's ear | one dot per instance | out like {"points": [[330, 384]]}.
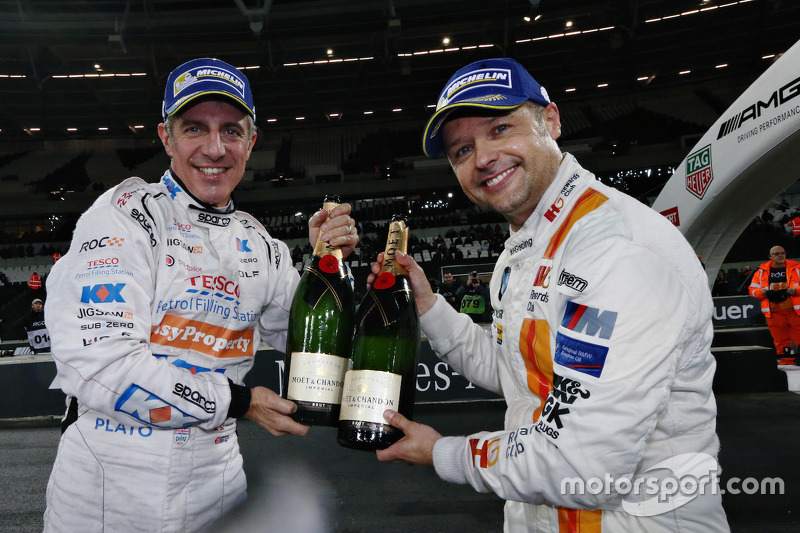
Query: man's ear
{"points": [[552, 120], [164, 136]]}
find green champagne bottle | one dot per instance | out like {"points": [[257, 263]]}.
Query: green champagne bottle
{"points": [[320, 334], [384, 360]]}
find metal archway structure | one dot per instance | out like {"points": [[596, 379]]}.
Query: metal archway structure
{"points": [[750, 155]]}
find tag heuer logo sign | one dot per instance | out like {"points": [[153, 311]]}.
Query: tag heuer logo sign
{"points": [[698, 172]]}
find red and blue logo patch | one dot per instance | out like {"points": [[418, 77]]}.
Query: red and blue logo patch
{"points": [[580, 355]]}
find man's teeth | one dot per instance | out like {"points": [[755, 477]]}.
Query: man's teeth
{"points": [[497, 179], [211, 171]]}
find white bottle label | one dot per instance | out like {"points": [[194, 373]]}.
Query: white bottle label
{"points": [[368, 393], [316, 377]]}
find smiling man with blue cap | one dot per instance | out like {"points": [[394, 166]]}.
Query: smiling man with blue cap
{"points": [[155, 315], [600, 340]]}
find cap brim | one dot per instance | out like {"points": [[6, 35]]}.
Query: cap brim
{"points": [[228, 96], [432, 137]]}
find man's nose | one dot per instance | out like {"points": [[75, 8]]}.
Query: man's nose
{"points": [[214, 147], [485, 153]]}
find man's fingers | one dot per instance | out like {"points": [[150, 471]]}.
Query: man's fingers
{"points": [[396, 419]]}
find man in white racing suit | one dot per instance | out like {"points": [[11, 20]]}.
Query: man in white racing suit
{"points": [[601, 335], [156, 313]]}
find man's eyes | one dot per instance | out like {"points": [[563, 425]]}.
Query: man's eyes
{"points": [[464, 150]]}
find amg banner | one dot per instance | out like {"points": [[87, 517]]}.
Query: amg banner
{"points": [[745, 159]]}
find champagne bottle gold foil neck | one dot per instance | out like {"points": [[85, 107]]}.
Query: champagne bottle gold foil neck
{"points": [[322, 247], [397, 240]]}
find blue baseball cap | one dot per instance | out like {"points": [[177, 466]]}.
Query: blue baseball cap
{"points": [[204, 77], [499, 83]]}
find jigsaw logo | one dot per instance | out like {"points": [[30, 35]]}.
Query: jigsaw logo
{"points": [[103, 294], [589, 320], [149, 409]]}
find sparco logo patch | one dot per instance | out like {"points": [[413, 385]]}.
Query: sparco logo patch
{"points": [[698, 172], [194, 397], [214, 220], [141, 218], [572, 281]]}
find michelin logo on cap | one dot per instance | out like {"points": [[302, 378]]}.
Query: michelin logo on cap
{"points": [[187, 79], [499, 83], [476, 78], [206, 76]]}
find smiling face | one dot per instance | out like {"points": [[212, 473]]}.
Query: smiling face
{"points": [[504, 161], [209, 145]]}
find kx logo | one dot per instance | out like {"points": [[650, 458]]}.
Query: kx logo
{"points": [[148, 408], [102, 294], [172, 187], [589, 320], [241, 245]]}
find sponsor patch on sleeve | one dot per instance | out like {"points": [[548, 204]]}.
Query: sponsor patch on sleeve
{"points": [[579, 355]]}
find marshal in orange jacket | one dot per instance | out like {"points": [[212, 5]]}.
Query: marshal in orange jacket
{"points": [[760, 283]]}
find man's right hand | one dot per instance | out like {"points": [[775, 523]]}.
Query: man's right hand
{"points": [[423, 293], [271, 412]]}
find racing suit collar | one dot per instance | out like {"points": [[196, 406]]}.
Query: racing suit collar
{"points": [[568, 184], [192, 202]]}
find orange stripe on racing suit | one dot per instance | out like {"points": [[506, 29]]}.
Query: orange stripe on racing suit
{"points": [[578, 521], [539, 360], [534, 344], [589, 201], [534, 339]]}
